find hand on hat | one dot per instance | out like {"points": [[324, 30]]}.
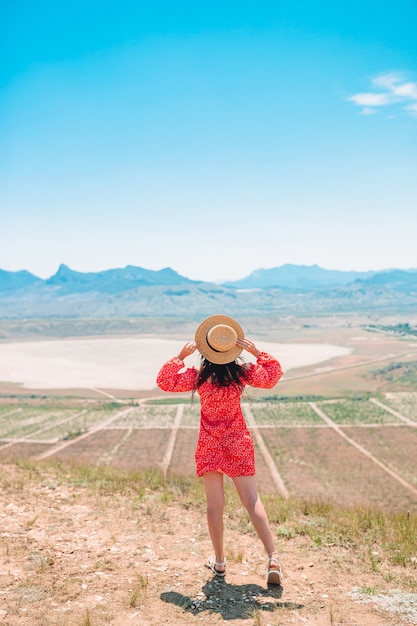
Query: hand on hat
{"points": [[244, 343], [188, 349], [248, 345]]}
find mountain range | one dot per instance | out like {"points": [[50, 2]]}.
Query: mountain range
{"points": [[136, 291]]}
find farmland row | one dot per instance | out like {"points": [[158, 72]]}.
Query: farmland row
{"points": [[28, 422], [342, 450]]}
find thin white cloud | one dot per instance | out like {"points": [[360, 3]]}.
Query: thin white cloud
{"points": [[371, 99], [368, 111], [386, 80], [391, 89], [408, 90]]}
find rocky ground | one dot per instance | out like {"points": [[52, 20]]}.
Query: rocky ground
{"points": [[75, 555]]}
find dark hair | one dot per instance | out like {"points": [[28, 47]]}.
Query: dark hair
{"points": [[221, 375]]}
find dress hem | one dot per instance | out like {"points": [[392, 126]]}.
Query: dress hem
{"points": [[200, 474]]}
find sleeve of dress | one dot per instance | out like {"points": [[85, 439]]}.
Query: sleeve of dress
{"points": [[265, 373], [170, 378]]}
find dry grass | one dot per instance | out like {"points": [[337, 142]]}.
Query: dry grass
{"points": [[378, 536], [146, 541], [138, 593]]}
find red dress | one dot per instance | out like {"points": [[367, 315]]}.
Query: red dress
{"points": [[224, 441]]}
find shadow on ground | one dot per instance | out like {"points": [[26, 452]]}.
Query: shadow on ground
{"points": [[231, 601]]}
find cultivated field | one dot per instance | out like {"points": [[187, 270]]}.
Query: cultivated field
{"points": [[340, 425], [343, 451]]}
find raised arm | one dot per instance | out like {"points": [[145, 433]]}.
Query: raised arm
{"points": [[266, 372], [171, 378]]}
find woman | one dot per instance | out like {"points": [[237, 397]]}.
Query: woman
{"points": [[225, 446]]}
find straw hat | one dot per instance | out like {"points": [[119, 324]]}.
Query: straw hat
{"points": [[216, 339]]}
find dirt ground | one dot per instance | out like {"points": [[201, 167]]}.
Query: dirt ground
{"points": [[73, 557]]}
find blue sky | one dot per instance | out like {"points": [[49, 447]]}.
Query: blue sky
{"points": [[212, 137]]}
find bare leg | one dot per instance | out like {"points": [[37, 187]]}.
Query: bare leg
{"points": [[246, 487], [213, 484], [248, 493]]}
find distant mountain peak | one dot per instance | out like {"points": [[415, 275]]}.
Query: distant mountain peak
{"points": [[17, 280], [290, 276], [114, 280], [64, 269], [132, 291]]}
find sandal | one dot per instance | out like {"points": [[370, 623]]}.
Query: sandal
{"points": [[275, 576], [212, 564]]}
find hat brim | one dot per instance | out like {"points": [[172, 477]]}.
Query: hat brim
{"points": [[220, 358]]}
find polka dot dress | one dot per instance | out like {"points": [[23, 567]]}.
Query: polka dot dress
{"points": [[224, 441]]}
